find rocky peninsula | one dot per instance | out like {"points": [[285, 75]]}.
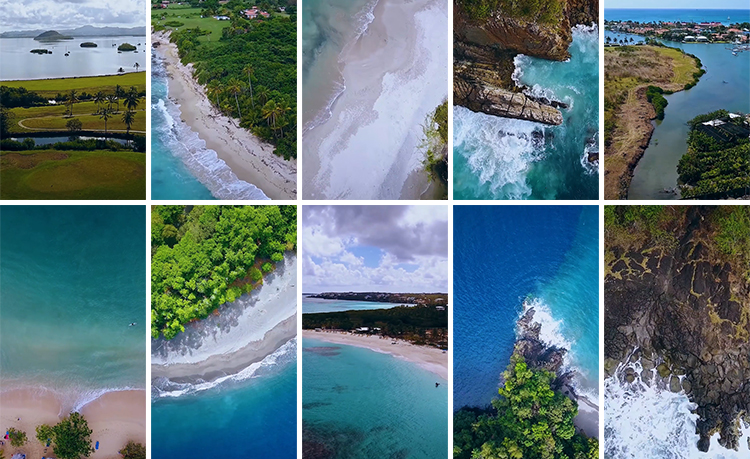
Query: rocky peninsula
{"points": [[677, 304], [486, 42]]}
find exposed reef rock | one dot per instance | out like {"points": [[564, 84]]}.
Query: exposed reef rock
{"points": [[539, 356], [685, 310], [483, 54]]}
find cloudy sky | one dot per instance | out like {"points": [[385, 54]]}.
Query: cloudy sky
{"points": [[69, 14], [375, 248]]}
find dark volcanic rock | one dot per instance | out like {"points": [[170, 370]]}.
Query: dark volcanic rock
{"points": [[690, 309]]}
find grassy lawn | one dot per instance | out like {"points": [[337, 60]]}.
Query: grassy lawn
{"points": [[89, 122], [683, 65], [51, 174], [91, 85], [191, 18]]}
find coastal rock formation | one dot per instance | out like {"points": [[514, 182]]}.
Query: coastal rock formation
{"points": [[540, 356], [483, 58], [685, 311]]}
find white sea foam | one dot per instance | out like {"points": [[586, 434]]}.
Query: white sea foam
{"points": [[499, 151], [649, 421], [201, 161], [283, 355]]}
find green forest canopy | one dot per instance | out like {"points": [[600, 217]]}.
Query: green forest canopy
{"points": [[250, 74], [205, 256], [528, 421]]}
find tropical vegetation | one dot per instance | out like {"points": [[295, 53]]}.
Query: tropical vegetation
{"points": [[133, 450], [435, 144], [717, 161], [541, 11], [205, 256], [528, 421], [249, 70], [17, 437], [70, 438], [421, 324]]}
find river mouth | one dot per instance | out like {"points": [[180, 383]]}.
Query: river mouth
{"points": [[724, 86]]}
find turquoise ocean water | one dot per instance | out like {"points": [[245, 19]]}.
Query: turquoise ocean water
{"points": [[362, 404], [310, 305], [239, 418], [72, 279], [510, 258], [499, 158]]}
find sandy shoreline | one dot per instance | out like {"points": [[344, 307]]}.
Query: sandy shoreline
{"points": [[588, 417], [249, 158], [375, 124], [429, 358], [115, 418], [220, 365]]}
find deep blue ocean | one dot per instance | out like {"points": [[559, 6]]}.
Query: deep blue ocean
{"points": [[506, 257], [726, 17], [363, 404], [253, 418], [72, 279]]}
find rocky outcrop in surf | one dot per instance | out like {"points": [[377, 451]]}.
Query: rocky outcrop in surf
{"points": [[484, 50], [682, 309]]}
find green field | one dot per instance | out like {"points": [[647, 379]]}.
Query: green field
{"points": [[51, 87], [53, 174], [52, 117], [191, 18]]}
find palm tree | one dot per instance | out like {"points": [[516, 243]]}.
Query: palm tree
{"points": [[72, 99], [250, 72], [128, 117], [132, 98], [271, 113], [105, 114], [99, 98], [214, 89], [119, 93], [282, 108], [262, 94], [111, 100], [235, 88]]}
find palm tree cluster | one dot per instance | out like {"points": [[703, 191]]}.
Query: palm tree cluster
{"points": [[108, 105], [622, 41]]}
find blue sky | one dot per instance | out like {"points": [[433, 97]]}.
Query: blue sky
{"points": [[374, 248], [684, 4]]}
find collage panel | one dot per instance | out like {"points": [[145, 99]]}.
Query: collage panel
{"points": [[526, 100], [676, 100], [72, 100], [526, 332], [72, 328], [375, 99], [676, 331], [224, 331], [224, 100], [375, 332]]}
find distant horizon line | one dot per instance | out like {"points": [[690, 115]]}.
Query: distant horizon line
{"points": [[675, 8]]}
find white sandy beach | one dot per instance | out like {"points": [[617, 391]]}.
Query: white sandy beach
{"points": [[243, 333], [428, 358], [115, 418], [395, 74], [588, 417], [249, 158]]}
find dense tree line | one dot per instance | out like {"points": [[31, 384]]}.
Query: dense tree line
{"points": [[251, 74], [74, 144], [654, 94], [418, 324], [205, 256], [528, 421], [715, 165], [20, 97]]}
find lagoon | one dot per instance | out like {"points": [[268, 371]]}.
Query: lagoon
{"points": [[20, 64]]}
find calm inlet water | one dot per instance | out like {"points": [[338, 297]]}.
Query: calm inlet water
{"points": [[499, 158], [322, 305], [254, 417], [72, 279], [363, 404], [20, 64], [724, 86], [507, 259]]}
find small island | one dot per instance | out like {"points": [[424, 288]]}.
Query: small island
{"points": [[635, 81], [41, 51], [126, 47], [88, 44], [51, 35]]}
